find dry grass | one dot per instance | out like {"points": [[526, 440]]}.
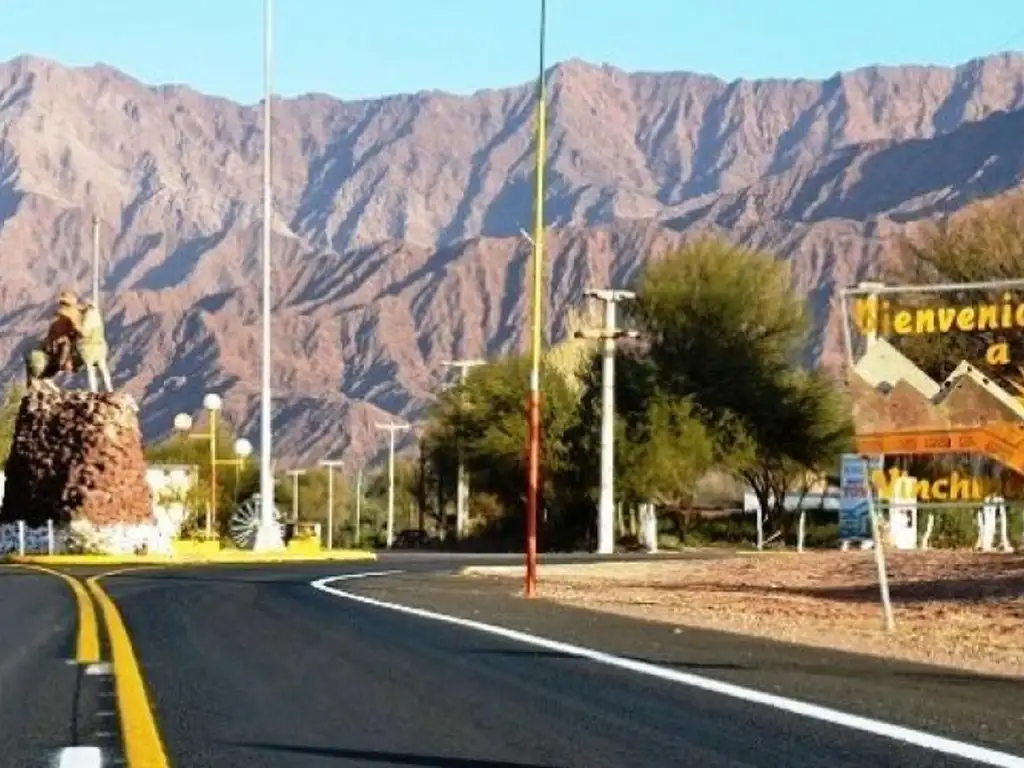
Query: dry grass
{"points": [[952, 608]]}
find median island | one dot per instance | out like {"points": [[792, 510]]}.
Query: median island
{"points": [[952, 608]]}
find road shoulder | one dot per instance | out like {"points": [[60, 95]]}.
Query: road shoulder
{"points": [[977, 708]]}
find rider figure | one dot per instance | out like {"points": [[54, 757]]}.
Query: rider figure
{"points": [[65, 331], [92, 344]]}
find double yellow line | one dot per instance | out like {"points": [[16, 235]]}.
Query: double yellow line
{"points": [[142, 743]]}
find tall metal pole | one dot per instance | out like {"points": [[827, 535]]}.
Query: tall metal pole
{"points": [[608, 335], [269, 534], [330, 508], [533, 402], [606, 505], [96, 262], [391, 489], [359, 504], [392, 429], [330, 464], [462, 491]]}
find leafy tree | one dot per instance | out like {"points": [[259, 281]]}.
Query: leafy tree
{"points": [[815, 410], [234, 484], [722, 325], [313, 499], [666, 455], [725, 331], [485, 418], [407, 496], [8, 416], [984, 242]]}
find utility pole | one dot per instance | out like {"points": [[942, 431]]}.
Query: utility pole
{"points": [[359, 504], [608, 335], [392, 428], [462, 491], [423, 488], [533, 404], [96, 262], [296, 474], [330, 464]]}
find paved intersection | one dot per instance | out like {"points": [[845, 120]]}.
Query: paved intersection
{"points": [[246, 666]]}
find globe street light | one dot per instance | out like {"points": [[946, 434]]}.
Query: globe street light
{"points": [[183, 422]]}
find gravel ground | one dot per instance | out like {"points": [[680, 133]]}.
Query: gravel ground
{"points": [[959, 609]]}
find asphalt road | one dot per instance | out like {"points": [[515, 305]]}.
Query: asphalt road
{"points": [[46, 703], [252, 667]]}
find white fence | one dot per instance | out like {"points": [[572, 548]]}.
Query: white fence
{"points": [[169, 484]]}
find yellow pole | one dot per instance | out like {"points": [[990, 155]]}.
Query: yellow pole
{"points": [[533, 404], [211, 514]]}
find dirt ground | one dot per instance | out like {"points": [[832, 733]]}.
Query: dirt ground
{"points": [[958, 609]]}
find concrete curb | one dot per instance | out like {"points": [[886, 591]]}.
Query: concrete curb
{"points": [[241, 557]]}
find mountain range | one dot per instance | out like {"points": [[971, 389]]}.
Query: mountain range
{"points": [[396, 234]]}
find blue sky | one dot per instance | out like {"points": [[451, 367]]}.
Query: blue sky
{"points": [[365, 48]]}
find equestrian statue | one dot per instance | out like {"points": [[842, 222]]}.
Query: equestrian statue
{"points": [[76, 339]]}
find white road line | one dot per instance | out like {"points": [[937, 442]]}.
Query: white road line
{"points": [[80, 757], [899, 733], [99, 669]]}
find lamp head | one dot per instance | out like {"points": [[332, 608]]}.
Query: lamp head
{"points": [[183, 422], [212, 402], [243, 448], [608, 294]]}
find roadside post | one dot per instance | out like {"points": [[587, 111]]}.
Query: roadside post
{"points": [[876, 534]]}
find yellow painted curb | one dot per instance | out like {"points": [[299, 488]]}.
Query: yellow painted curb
{"points": [[87, 645], [142, 743], [224, 556]]}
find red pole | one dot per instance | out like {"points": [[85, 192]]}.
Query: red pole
{"points": [[533, 493], [533, 404]]}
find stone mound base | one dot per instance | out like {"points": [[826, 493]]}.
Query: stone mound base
{"points": [[76, 456]]}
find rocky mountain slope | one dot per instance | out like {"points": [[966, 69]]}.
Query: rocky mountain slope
{"points": [[396, 230]]}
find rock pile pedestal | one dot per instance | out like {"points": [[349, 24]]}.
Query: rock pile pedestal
{"points": [[76, 456]]}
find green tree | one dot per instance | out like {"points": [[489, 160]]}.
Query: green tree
{"points": [[981, 243], [234, 483], [407, 495], [8, 416], [819, 414], [485, 418], [665, 455], [313, 500], [725, 331]]}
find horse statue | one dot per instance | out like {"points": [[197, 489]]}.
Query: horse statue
{"points": [[77, 340]]}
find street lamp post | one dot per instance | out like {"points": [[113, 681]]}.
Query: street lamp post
{"points": [[359, 505], [533, 402], [243, 449], [608, 335], [330, 464], [462, 491], [296, 474], [268, 533], [392, 428]]}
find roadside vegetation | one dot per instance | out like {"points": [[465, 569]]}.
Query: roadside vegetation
{"points": [[713, 398]]}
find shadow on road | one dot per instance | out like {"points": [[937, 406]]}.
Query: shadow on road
{"points": [[538, 654], [391, 758], [889, 670]]}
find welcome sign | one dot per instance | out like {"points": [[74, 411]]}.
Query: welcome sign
{"points": [[873, 315], [900, 410]]}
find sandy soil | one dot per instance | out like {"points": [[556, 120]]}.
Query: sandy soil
{"points": [[958, 609]]}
